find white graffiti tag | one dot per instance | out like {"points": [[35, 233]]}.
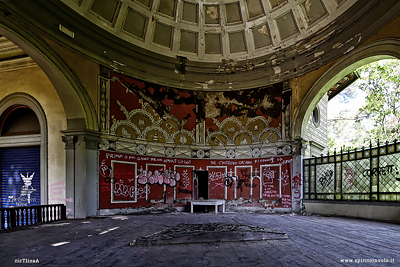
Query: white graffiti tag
{"points": [[285, 178], [27, 189], [215, 176], [125, 190], [268, 176], [185, 179]]}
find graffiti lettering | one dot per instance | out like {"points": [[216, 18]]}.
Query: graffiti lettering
{"points": [[283, 162], [229, 180], [383, 171], [106, 172], [326, 178], [160, 177], [125, 190], [296, 186], [244, 180], [227, 162], [349, 174], [184, 183], [271, 160], [215, 176], [285, 178], [184, 191], [297, 181]]}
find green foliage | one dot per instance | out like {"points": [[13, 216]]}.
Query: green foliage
{"points": [[381, 82], [379, 117]]}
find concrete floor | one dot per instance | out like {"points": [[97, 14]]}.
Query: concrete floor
{"points": [[312, 241]]}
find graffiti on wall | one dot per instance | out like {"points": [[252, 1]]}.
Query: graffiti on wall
{"points": [[326, 178], [382, 171], [124, 185], [349, 175], [57, 192], [216, 177], [297, 186], [270, 181], [160, 177], [230, 180], [184, 183], [27, 189], [243, 180], [138, 181]]}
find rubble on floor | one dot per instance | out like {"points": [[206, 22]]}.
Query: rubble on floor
{"points": [[208, 233]]}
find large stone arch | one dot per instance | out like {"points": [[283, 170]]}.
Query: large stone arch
{"points": [[79, 109], [377, 50]]}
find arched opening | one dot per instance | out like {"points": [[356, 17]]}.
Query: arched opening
{"points": [[382, 49], [19, 120], [23, 152]]}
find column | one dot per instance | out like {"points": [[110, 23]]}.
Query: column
{"points": [[81, 173], [297, 175]]}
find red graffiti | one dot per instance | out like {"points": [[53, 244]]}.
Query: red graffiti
{"points": [[349, 174], [298, 193], [296, 181], [296, 186]]}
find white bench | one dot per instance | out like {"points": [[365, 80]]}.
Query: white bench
{"points": [[208, 202]]}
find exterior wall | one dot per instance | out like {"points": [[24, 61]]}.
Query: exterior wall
{"points": [[366, 210], [33, 81], [317, 135]]}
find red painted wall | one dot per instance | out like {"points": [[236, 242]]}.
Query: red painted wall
{"points": [[133, 181]]}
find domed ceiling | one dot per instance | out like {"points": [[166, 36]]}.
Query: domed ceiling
{"points": [[210, 44], [212, 31]]}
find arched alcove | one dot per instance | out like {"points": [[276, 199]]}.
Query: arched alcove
{"points": [[14, 108], [382, 49]]}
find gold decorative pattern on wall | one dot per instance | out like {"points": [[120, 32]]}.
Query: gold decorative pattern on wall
{"points": [[232, 131], [146, 125]]}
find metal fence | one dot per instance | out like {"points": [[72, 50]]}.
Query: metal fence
{"points": [[371, 174], [20, 217]]}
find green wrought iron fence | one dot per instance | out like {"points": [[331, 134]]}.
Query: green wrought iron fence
{"points": [[367, 174]]}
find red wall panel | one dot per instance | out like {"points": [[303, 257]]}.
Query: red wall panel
{"points": [[172, 180]]}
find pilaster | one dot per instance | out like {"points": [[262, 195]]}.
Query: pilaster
{"points": [[81, 149], [297, 175]]}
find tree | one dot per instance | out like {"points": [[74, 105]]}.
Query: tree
{"points": [[381, 81], [378, 117]]}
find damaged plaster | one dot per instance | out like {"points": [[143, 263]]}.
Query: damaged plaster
{"points": [[212, 11]]}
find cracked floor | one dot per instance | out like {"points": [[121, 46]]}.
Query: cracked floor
{"points": [[312, 241]]}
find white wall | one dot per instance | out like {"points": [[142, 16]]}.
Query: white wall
{"points": [[374, 211], [317, 137], [34, 82]]}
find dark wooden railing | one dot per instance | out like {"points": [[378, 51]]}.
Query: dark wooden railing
{"points": [[20, 217]]}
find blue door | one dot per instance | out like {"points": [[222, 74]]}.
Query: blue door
{"points": [[20, 176]]}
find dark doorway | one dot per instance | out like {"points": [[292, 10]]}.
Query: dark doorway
{"points": [[203, 184]]}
